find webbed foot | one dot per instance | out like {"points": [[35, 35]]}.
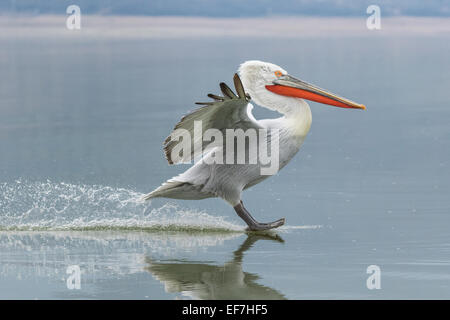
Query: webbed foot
{"points": [[266, 226]]}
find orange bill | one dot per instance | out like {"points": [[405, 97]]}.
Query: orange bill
{"points": [[292, 87]]}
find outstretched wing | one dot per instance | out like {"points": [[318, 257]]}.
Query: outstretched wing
{"points": [[229, 111]]}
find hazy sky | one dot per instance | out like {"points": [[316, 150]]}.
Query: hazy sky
{"points": [[230, 8]]}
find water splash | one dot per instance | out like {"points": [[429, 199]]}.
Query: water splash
{"points": [[64, 206]]}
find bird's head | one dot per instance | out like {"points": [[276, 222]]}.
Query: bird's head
{"points": [[262, 79]]}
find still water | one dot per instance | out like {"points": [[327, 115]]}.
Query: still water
{"points": [[82, 122]]}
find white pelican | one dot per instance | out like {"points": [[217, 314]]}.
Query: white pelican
{"points": [[269, 86]]}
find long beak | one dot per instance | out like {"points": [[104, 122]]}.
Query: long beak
{"points": [[292, 87]]}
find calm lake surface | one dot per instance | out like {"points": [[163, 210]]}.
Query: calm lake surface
{"points": [[82, 121]]}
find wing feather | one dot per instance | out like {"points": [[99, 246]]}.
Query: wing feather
{"points": [[228, 112], [239, 87], [216, 97], [227, 91]]}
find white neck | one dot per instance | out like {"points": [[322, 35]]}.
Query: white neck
{"points": [[297, 114]]}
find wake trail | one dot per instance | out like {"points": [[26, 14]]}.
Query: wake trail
{"points": [[64, 206]]}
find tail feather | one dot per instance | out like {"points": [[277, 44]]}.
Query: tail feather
{"points": [[163, 189], [179, 190]]}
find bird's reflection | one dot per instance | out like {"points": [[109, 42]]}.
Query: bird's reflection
{"points": [[206, 281]]}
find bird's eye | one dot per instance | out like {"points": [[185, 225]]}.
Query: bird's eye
{"points": [[278, 73]]}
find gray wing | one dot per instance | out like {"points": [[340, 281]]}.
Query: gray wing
{"points": [[229, 111]]}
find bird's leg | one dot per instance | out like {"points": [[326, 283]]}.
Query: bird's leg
{"points": [[254, 225]]}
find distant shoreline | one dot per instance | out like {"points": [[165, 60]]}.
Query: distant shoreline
{"points": [[142, 27]]}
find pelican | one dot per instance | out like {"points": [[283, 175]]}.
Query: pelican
{"points": [[269, 86]]}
